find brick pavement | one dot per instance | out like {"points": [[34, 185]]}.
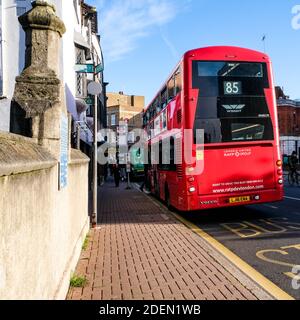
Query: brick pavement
{"points": [[141, 251]]}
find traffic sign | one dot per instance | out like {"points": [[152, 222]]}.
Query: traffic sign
{"points": [[94, 88], [90, 100], [99, 68], [84, 68]]}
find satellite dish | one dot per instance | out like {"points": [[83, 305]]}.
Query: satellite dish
{"points": [[94, 88]]}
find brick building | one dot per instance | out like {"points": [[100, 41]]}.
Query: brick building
{"points": [[289, 122], [288, 114], [124, 113], [121, 107]]}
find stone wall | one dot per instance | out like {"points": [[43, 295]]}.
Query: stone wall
{"points": [[42, 228]]}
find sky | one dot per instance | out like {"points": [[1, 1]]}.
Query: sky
{"points": [[142, 40]]}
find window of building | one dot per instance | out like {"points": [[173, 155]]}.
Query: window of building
{"points": [[21, 7], [132, 101], [80, 77], [20, 11], [89, 111], [113, 119]]}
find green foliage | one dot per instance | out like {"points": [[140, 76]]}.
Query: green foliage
{"points": [[86, 242], [78, 281]]}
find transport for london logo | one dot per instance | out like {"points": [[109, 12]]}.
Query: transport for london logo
{"points": [[234, 108]]}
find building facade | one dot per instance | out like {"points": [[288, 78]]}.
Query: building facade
{"points": [[124, 114], [80, 45], [289, 123], [289, 117], [12, 46], [124, 108]]}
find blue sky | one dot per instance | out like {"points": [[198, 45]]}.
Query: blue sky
{"points": [[142, 40]]}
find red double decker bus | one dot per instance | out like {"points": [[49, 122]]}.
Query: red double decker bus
{"points": [[228, 92]]}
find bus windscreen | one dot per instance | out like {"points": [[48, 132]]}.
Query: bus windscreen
{"points": [[231, 104], [230, 69]]}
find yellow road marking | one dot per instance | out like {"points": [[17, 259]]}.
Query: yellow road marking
{"points": [[239, 228], [294, 246], [292, 276], [261, 280], [257, 277], [261, 255]]}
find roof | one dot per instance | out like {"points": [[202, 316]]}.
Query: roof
{"points": [[288, 102], [227, 52]]}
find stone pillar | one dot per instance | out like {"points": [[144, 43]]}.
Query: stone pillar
{"points": [[38, 91]]}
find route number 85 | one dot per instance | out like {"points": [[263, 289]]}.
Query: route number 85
{"points": [[232, 87]]}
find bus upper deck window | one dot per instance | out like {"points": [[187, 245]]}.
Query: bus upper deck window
{"points": [[171, 89], [178, 81], [164, 98]]}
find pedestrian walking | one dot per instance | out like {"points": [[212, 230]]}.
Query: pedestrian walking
{"points": [[116, 173], [293, 164], [100, 173]]}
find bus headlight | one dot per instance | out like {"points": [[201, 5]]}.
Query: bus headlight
{"points": [[280, 181]]}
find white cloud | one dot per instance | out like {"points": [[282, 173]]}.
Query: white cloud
{"points": [[124, 22], [169, 44]]}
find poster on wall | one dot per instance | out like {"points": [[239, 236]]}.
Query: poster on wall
{"points": [[64, 150]]}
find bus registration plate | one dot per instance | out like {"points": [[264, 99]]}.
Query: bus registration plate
{"points": [[239, 199]]}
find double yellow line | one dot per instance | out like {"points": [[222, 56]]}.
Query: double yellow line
{"points": [[261, 280], [271, 288]]}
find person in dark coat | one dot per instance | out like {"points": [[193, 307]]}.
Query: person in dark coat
{"points": [[145, 184], [116, 173], [293, 164]]}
